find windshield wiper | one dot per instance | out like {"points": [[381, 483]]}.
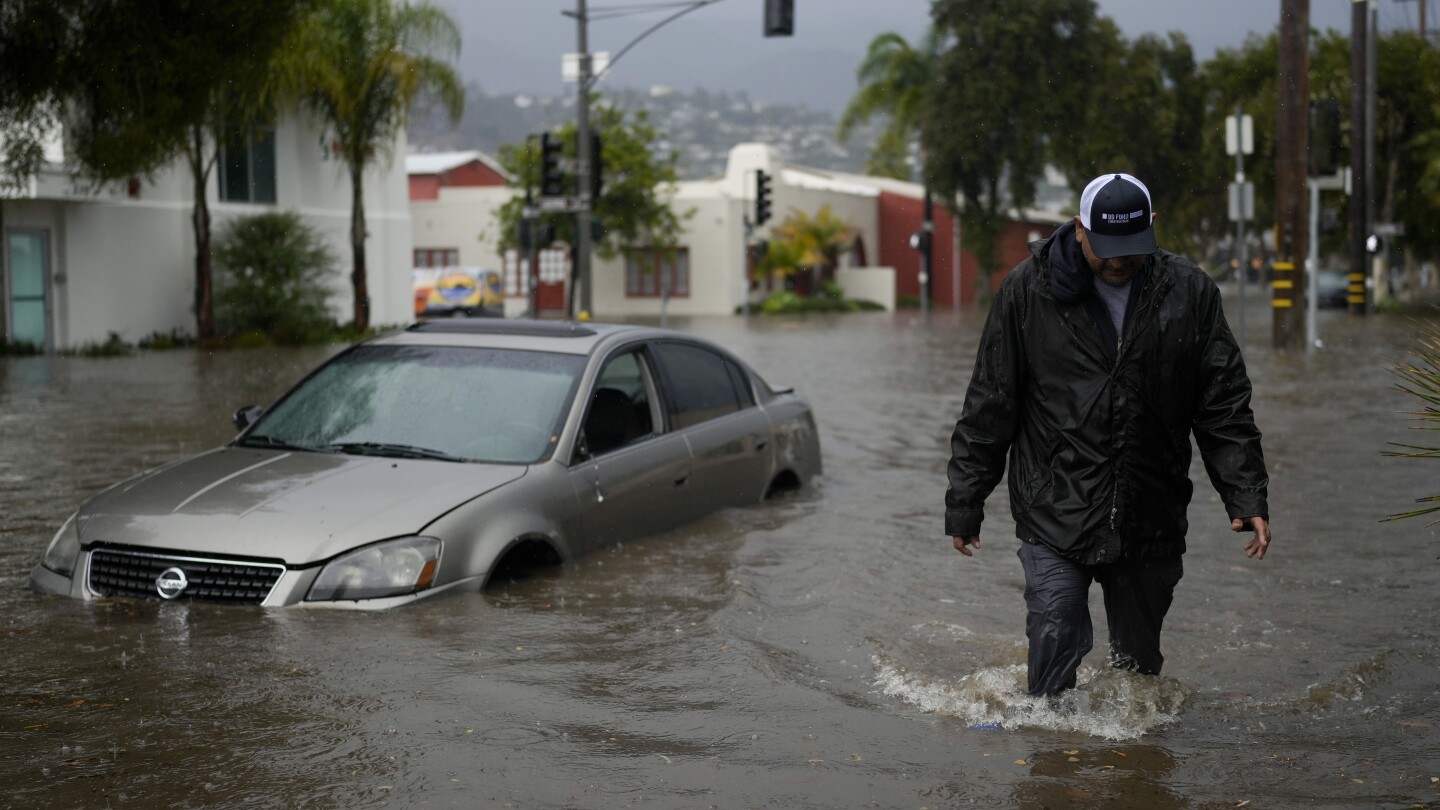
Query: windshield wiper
{"points": [[278, 444], [391, 450]]}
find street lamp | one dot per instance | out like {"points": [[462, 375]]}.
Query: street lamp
{"points": [[784, 25]]}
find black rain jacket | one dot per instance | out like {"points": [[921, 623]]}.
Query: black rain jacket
{"points": [[1098, 425]]}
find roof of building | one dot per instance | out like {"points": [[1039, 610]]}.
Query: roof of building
{"points": [[906, 188], [441, 162]]}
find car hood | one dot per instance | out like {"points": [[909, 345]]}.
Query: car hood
{"points": [[299, 507]]}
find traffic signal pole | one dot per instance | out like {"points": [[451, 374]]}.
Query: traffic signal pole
{"points": [[1292, 144], [580, 276], [1360, 192]]}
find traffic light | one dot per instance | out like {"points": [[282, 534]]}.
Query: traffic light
{"points": [[1324, 138], [552, 179], [779, 18], [597, 165], [762, 197]]}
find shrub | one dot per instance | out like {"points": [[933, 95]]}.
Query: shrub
{"points": [[19, 348], [786, 302], [174, 339], [271, 278]]}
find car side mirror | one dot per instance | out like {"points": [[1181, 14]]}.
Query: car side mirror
{"points": [[246, 416]]}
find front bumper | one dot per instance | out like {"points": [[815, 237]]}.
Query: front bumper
{"points": [[289, 590]]}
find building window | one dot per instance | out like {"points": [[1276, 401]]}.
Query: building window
{"points": [[247, 167], [649, 272], [437, 257]]}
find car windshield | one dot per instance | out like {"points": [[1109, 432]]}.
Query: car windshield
{"points": [[444, 402]]}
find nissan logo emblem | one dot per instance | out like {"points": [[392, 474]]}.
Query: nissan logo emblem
{"points": [[171, 583]]}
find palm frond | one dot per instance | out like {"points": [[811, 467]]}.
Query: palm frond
{"points": [[1421, 379]]}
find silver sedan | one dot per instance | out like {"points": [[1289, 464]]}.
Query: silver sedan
{"points": [[429, 459]]}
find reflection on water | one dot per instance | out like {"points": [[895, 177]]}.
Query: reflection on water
{"points": [[827, 650]]}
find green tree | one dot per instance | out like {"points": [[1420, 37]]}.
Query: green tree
{"points": [[821, 238], [783, 257], [1015, 75], [1152, 125], [1407, 140], [135, 94], [1407, 124], [274, 272], [240, 104], [358, 65], [633, 209], [895, 79]]}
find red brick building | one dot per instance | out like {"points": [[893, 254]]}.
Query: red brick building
{"points": [[901, 212], [431, 172]]}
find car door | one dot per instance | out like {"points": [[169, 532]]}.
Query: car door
{"points": [[631, 476], [713, 407]]}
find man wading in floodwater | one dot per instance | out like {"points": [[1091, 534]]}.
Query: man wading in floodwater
{"points": [[1100, 356]]}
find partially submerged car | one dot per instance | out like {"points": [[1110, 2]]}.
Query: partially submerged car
{"points": [[427, 460]]}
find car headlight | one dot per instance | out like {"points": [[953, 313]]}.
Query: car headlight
{"points": [[392, 568], [64, 549]]}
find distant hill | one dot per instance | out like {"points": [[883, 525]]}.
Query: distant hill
{"points": [[701, 126]]}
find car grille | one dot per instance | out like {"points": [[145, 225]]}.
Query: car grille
{"points": [[135, 574]]}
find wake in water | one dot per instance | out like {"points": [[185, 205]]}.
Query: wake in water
{"points": [[1108, 703]]}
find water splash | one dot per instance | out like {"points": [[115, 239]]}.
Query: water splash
{"points": [[1108, 703]]}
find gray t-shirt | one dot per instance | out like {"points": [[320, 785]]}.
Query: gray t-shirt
{"points": [[1115, 299]]}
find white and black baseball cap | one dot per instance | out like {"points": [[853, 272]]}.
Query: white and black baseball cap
{"points": [[1115, 210]]}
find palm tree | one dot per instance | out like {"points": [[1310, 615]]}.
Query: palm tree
{"points": [[821, 238], [358, 64], [894, 78]]}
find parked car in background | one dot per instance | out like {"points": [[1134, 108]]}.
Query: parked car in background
{"points": [[428, 460], [1332, 288], [457, 292]]}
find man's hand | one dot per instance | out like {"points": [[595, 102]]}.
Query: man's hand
{"points": [[1260, 542], [963, 544]]}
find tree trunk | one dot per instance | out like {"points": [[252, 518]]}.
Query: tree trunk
{"points": [[200, 219], [357, 247]]}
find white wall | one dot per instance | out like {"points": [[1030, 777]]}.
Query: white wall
{"points": [[713, 239], [462, 218], [126, 265], [875, 284]]}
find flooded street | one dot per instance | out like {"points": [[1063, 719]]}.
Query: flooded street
{"points": [[827, 650]]}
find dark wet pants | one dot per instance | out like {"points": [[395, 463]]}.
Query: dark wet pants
{"points": [[1137, 596]]}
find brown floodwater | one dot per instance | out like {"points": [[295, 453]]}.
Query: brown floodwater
{"points": [[827, 650]]}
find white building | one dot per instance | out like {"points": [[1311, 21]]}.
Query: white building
{"points": [[78, 266], [707, 277]]}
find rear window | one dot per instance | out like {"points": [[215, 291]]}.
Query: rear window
{"points": [[702, 384]]}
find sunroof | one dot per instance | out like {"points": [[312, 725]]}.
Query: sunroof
{"points": [[500, 326]]}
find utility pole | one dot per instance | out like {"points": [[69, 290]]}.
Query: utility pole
{"points": [[581, 275], [1360, 189], [927, 254], [1292, 143]]}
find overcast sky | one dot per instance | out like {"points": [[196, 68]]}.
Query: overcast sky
{"points": [[515, 45]]}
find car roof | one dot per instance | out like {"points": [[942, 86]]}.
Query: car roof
{"points": [[561, 337]]}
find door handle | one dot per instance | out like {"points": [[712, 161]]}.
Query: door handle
{"points": [[760, 446], [681, 481]]}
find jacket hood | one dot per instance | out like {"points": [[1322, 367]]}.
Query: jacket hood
{"points": [[1071, 278]]}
